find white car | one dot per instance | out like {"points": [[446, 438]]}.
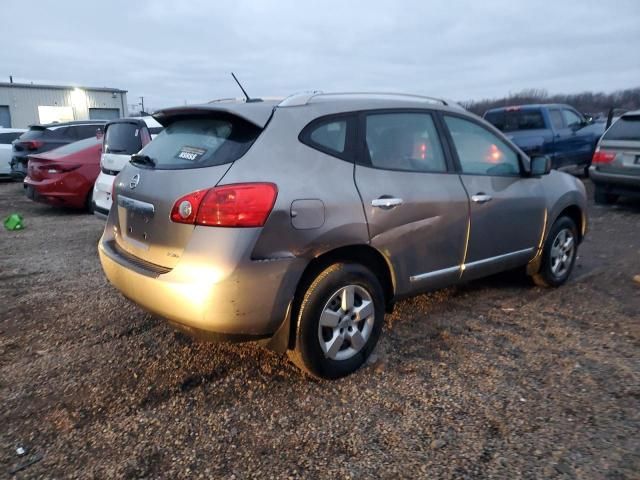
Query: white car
{"points": [[122, 138], [7, 135]]}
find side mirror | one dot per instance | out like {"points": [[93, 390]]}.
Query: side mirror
{"points": [[540, 165]]}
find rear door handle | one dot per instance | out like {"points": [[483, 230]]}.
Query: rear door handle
{"points": [[386, 203], [481, 198]]}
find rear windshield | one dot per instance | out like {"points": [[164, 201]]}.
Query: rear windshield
{"points": [[201, 142], [514, 120], [34, 133], [122, 138], [626, 128], [77, 146]]}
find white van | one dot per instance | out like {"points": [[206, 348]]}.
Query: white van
{"points": [[122, 138]]}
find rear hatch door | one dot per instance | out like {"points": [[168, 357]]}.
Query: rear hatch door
{"points": [[121, 140], [623, 139], [192, 153]]}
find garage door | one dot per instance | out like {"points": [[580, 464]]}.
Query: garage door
{"points": [[104, 113], [5, 116]]}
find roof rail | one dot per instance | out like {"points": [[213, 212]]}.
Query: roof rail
{"points": [[300, 99]]}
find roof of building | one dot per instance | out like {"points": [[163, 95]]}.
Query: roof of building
{"points": [[60, 87]]}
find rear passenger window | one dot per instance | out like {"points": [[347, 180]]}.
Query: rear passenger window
{"points": [[404, 141], [481, 152], [331, 135]]}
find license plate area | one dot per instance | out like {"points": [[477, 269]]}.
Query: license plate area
{"points": [[137, 216]]}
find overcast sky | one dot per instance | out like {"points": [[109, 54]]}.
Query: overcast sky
{"points": [[177, 51]]}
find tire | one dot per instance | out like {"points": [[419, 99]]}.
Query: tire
{"points": [[603, 198], [328, 294], [554, 271], [88, 204]]}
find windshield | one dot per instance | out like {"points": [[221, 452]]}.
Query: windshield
{"points": [[511, 121], [122, 138], [202, 142], [626, 128]]}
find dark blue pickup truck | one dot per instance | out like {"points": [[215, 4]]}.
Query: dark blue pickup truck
{"points": [[556, 130]]}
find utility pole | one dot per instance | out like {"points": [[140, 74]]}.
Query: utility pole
{"points": [[142, 103]]}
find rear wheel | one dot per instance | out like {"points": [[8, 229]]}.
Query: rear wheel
{"points": [[338, 322], [601, 197], [559, 254]]}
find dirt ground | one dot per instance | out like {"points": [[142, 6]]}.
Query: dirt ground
{"points": [[494, 379]]}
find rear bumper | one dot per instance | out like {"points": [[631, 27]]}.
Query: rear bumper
{"points": [[54, 192], [217, 294], [19, 167], [102, 193], [614, 182]]}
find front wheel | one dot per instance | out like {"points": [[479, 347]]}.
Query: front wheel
{"points": [[559, 254], [338, 322]]}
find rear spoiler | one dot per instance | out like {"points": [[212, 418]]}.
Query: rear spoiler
{"points": [[256, 113]]}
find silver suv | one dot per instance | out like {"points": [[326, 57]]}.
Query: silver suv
{"points": [[300, 223]]}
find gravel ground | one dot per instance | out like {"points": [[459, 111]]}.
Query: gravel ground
{"points": [[494, 379]]}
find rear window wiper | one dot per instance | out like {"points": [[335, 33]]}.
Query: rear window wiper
{"points": [[143, 160]]}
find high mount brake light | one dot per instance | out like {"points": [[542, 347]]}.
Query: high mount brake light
{"points": [[235, 205]]}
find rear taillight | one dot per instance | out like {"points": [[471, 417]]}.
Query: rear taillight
{"points": [[236, 205], [32, 144], [602, 157], [59, 168]]}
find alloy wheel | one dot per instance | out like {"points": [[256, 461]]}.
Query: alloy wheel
{"points": [[346, 322]]}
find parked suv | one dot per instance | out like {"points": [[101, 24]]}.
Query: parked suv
{"points": [[301, 222], [42, 138], [122, 138], [615, 169], [556, 130]]}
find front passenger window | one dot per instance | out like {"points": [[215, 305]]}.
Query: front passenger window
{"points": [[571, 118], [480, 151]]}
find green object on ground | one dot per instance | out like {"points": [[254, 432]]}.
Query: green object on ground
{"points": [[14, 222]]}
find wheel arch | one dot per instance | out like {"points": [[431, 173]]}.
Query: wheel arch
{"points": [[364, 254], [575, 213]]}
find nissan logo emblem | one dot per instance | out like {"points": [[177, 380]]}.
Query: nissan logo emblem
{"points": [[135, 180]]}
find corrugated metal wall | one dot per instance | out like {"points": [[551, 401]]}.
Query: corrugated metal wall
{"points": [[23, 102]]}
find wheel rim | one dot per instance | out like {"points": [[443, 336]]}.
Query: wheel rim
{"points": [[562, 250], [346, 322]]}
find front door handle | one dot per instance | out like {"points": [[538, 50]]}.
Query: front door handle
{"points": [[481, 198], [386, 203]]}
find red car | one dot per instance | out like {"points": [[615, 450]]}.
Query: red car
{"points": [[65, 176]]}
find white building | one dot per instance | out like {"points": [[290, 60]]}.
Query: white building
{"points": [[23, 104]]}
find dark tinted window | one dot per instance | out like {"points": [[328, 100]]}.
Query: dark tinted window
{"points": [[85, 131], [60, 133], [203, 142], [481, 152], [7, 138], [122, 138], [404, 141], [626, 128], [75, 147], [514, 120], [331, 135], [155, 130], [35, 133], [556, 119]]}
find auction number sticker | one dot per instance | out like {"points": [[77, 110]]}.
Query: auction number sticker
{"points": [[191, 153]]}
